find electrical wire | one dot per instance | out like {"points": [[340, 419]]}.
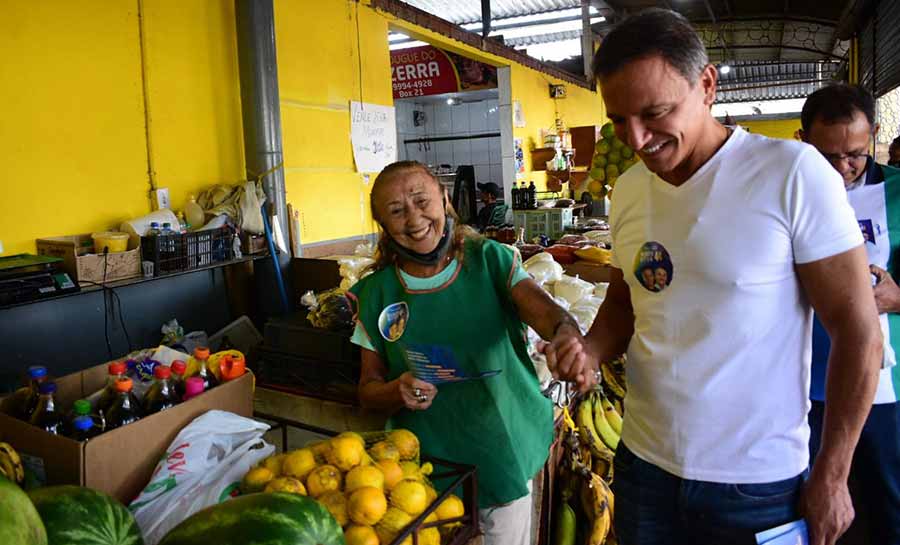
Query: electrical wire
{"points": [[110, 296]]}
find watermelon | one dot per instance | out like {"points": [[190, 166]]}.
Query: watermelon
{"points": [[74, 515], [274, 518], [20, 523]]}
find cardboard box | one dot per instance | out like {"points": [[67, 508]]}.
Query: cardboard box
{"points": [[118, 462], [80, 261]]}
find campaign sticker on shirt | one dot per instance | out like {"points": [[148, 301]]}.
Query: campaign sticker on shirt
{"points": [[868, 230], [392, 321], [653, 267]]}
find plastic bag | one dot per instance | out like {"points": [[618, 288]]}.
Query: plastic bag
{"points": [[329, 310], [172, 332], [250, 205], [572, 289], [202, 467], [366, 249], [537, 258], [545, 271]]}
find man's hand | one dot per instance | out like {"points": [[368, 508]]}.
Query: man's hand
{"points": [[887, 293], [827, 508], [568, 357]]}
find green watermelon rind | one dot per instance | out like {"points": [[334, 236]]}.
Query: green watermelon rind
{"points": [[255, 519], [20, 523], [75, 515]]}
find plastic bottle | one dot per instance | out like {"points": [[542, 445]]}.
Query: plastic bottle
{"points": [[178, 368], [47, 416], [116, 371], [154, 229], [194, 213], [161, 395], [532, 196], [21, 403], [193, 387], [167, 241], [515, 196], [84, 428], [201, 354], [124, 410]]}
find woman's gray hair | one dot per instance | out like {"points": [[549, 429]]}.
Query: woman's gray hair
{"points": [[652, 32]]}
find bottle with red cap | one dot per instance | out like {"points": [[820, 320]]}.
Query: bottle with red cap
{"points": [[201, 354], [124, 409], [161, 395], [193, 387], [178, 368], [116, 371], [47, 415]]}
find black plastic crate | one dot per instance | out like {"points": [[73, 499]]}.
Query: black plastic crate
{"points": [[287, 372], [184, 252], [294, 334]]}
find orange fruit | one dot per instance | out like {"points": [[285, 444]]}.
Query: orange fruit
{"points": [[256, 480], [336, 504], [345, 453], [406, 442], [286, 484], [363, 476], [384, 450], [323, 479], [357, 534], [410, 497], [392, 471], [298, 463], [367, 505]]}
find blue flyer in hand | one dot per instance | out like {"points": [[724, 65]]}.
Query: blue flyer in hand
{"points": [[438, 365], [792, 533]]}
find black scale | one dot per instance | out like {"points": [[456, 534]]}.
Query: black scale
{"points": [[26, 277]]}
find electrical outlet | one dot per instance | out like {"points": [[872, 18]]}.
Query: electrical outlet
{"points": [[159, 198], [1, 246]]}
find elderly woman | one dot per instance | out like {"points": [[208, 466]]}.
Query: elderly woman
{"points": [[444, 303]]}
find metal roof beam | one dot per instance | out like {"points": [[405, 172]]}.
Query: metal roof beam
{"points": [[485, 18]]}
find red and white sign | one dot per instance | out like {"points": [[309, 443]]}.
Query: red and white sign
{"points": [[427, 70]]}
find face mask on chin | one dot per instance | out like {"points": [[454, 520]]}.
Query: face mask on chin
{"points": [[434, 256]]}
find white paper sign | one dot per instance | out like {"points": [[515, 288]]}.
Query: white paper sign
{"points": [[373, 132]]}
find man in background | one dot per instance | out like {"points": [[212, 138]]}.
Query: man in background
{"points": [[839, 120], [493, 212]]}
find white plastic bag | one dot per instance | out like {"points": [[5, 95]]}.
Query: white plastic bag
{"points": [[543, 271], [572, 289], [202, 467]]}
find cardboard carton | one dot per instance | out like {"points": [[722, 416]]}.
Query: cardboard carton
{"points": [[80, 261], [118, 462]]}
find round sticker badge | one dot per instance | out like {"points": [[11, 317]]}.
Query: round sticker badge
{"points": [[392, 321], [653, 267]]}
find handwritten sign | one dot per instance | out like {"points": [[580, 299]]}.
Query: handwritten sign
{"points": [[373, 134]]}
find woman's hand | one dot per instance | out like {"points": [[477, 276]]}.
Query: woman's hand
{"points": [[568, 357], [417, 394]]}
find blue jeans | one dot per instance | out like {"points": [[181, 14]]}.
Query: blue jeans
{"points": [[656, 507], [875, 472]]}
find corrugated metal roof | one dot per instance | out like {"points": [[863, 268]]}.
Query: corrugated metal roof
{"points": [[469, 11], [759, 81]]}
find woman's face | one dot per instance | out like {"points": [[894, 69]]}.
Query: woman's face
{"points": [[410, 208]]}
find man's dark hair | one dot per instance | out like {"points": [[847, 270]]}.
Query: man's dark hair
{"points": [[651, 32], [835, 103]]}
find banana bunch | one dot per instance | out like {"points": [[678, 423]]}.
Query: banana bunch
{"points": [[10, 464], [600, 504], [599, 425]]}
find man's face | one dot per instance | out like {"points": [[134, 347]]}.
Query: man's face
{"points": [[844, 143], [662, 277], [647, 275], [894, 153], [487, 198], [657, 112]]}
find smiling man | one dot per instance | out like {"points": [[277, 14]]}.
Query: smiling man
{"points": [[752, 233], [839, 120]]}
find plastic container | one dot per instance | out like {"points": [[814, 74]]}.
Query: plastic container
{"points": [[107, 398], [161, 395], [203, 370], [193, 387], [193, 213], [178, 368], [232, 367], [124, 410], [84, 428], [138, 227], [113, 241], [47, 416], [22, 402]]}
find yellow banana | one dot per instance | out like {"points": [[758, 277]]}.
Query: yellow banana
{"points": [[584, 418], [11, 463], [602, 511], [611, 381], [604, 430], [613, 417]]}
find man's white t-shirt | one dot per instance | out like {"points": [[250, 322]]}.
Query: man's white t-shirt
{"points": [[719, 365]]}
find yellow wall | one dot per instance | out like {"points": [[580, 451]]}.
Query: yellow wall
{"points": [[74, 141], [73, 135], [779, 128]]}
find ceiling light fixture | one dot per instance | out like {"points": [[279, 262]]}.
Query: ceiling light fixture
{"points": [[724, 69]]}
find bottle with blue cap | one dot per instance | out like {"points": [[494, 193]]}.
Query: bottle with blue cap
{"points": [[84, 428], [47, 415], [80, 408], [21, 403]]}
